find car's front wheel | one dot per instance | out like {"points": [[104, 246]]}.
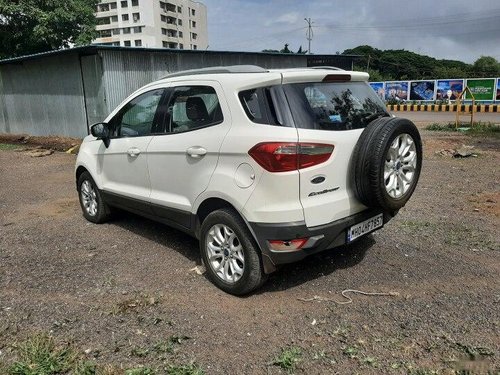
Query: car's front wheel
{"points": [[230, 254], [93, 206]]}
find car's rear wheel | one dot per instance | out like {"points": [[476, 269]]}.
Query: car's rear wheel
{"points": [[230, 254], [386, 163], [93, 206]]}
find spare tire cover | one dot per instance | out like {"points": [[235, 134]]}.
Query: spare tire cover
{"points": [[386, 163]]}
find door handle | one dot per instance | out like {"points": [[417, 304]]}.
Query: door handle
{"points": [[196, 152], [133, 152]]}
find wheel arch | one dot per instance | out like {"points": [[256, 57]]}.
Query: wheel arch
{"points": [[212, 204], [79, 170]]}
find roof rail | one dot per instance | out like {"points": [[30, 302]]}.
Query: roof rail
{"points": [[219, 70], [325, 67]]}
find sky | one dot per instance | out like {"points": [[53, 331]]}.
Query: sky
{"points": [[458, 29]]}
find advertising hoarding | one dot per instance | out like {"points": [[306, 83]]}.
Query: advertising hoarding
{"points": [[397, 90], [378, 87], [456, 86], [498, 89], [482, 89], [422, 90]]}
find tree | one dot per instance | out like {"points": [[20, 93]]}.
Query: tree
{"points": [[301, 52], [33, 26], [486, 66], [407, 65], [285, 49]]}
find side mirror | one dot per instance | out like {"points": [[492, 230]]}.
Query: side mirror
{"points": [[101, 131]]}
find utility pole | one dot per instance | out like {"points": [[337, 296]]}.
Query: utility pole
{"points": [[309, 33]]}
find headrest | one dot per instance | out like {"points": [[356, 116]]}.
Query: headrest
{"points": [[196, 109]]}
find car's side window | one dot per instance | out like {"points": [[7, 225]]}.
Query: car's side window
{"points": [[259, 106], [138, 117], [193, 107]]}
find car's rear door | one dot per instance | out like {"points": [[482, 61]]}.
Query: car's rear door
{"points": [[181, 161]]}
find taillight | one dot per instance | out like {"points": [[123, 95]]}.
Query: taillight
{"points": [[291, 245], [285, 157]]}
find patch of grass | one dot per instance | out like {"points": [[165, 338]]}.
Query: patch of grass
{"points": [[351, 351], [139, 352], [477, 128], [140, 371], [8, 146], [370, 361], [39, 355], [168, 346], [421, 371], [288, 359], [189, 369], [87, 368]]}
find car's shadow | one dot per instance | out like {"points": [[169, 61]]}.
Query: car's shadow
{"points": [[317, 265], [159, 233], [288, 276]]}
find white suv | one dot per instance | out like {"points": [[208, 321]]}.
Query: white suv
{"points": [[264, 167]]}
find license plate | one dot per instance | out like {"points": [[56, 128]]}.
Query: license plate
{"points": [[365, 227]]}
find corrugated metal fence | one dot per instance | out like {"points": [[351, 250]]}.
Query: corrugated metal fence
{"points": [[64, 92], [43, 98]]}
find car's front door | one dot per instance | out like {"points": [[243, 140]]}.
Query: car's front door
{"points": [[124, 163], [182, 161]]}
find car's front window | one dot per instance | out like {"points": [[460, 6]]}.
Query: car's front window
{"points": [[333, 106], [137, 117]]}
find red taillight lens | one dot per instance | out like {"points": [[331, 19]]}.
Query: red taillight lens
{"points": [[337, 78], [285, 157], [291, 245]]}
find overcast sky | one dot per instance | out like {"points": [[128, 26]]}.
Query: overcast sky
{"points": [[454, 29]]}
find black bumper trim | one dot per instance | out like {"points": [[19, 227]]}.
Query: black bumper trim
{"points": [[334, 235]]}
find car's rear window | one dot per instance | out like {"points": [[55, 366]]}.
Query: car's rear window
{"points": [[333, 106]]}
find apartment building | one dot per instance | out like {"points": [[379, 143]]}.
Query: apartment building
{"points": [[176, 24]]}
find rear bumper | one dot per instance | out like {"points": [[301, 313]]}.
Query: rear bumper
{"points": [[325, 236]]}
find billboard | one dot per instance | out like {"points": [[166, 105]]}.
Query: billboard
{"points": [[396, 90], [456, 86], [482, 89], [498, 89], [422, 90], [378, 87]]}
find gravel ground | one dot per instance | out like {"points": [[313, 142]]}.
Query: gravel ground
{"points": [[114, 291]]}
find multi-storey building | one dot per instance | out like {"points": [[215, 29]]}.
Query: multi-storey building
{"points": [[178, 24]]}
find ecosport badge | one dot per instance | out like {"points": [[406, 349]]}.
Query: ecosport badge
{"points": [[323, 191]]}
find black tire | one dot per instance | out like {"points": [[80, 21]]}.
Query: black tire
{"points": [[253, 273], [369, 159], [103, 211]]}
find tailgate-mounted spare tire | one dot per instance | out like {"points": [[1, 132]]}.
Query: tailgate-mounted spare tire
{"points": [[386, 163]]}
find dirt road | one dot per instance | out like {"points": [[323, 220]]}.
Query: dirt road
{"points": [[117, 291]]}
